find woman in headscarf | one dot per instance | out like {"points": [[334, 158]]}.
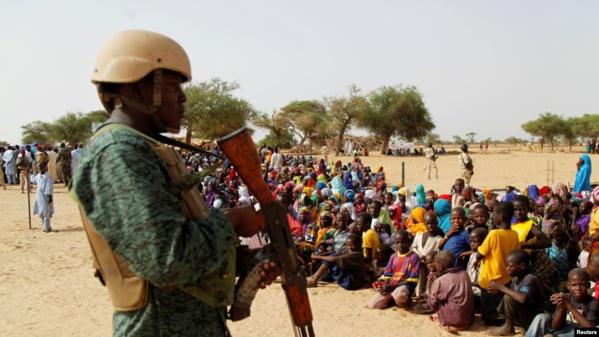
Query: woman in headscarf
{"points": [[381, 185], [410, 201], [420, 195], [348, 182], [326, 229], [555, 208], [532, 192], [415, 222], [443, 210], [583, 174], [337, 186], [322, 166], [348, 207], [395, 215], [359, 203]]}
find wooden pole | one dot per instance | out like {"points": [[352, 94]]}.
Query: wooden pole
{"points": [[403, 174], [28, 186]]}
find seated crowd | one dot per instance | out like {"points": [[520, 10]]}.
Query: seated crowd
{"points": [[522, 259]]}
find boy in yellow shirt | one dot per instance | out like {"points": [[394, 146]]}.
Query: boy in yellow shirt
{"points": [[492, 255]]}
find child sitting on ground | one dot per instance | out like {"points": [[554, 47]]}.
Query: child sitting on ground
{"points": [[383, 254], [477, 237], [450, 294], [559, 257], [457, 239], [583, 258], [523, 300], [401, 276], [493, 253], [479, 218], [346, 269], [422, 307], [575, 309], [424, 243]]}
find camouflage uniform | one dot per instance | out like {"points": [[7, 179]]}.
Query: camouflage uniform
{"points": [[64, 158], [125, 189]]}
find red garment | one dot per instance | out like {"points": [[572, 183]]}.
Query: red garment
{"points": [[294, 226], [445, 197]]}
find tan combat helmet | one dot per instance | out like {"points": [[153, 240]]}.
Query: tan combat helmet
{"points": [[130, 56]]}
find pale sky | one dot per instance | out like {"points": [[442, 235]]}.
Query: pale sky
{"points": [[482, 66]]}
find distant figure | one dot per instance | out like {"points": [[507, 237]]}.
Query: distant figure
{"points": [[431, 160], [583, 174], [64, 158], [487, 146], [466, 164], [481, 145], [44, 203]]}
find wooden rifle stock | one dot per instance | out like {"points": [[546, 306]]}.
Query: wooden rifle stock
{"points": [[241, 151]]}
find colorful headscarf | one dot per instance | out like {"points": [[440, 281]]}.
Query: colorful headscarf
{"points": [[443, 210], [561, 190], [415, 223], [420, 195]]}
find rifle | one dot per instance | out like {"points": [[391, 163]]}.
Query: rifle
{"points": [[241, 151]]}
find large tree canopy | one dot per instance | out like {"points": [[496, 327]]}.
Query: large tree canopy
{"points": [[308, 120], [345, 111], [71, 127], [212, 111], [548, 126], [397, 111], [278, 129]]}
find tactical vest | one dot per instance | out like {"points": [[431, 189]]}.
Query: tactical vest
{"points": [[128, 291]]}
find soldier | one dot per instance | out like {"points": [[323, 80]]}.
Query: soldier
{"points": [[167, 260], [431, 160], [64, 160], [466, 164]]}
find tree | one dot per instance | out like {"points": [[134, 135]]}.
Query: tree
{"points": [[433, 138], [212, 111], [4, 143], [345, 111], [396, 111], [458, 140], [76, 128], [308, 120], [277, 125], [586, 126], [470, 136], [515, 140], [547, 126], [37, 131]]}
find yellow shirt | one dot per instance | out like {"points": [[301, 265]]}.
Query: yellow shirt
{"points": [[594, 223], [370, 240], [498, 244]]}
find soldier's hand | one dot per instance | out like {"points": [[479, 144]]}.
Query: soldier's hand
{"points": [[270, 271]]}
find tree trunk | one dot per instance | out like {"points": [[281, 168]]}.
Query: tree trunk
{"points": [[340, 139], [188, 136], [385, 144]]}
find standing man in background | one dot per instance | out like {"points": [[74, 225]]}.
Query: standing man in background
{"points": [[431, 160]]}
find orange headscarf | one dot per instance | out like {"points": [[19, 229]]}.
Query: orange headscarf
{"points": [[415, 222]]}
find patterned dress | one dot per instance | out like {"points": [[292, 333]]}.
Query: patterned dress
{"points": [[64, 159], [124, 187]]}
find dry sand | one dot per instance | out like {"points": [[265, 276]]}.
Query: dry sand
{"points": [[47, 286]]}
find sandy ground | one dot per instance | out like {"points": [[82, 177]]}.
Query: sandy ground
{"points": [[47, 286]]}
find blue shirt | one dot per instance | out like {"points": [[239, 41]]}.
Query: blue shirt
{"points": [[459, 243]]}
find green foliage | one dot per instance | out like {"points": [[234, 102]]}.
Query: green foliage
{"points": [[586, 126], [71, 127], [285, 141], [458, 140], [308, 120], [4, 143], [212, 111], [345, 111], [37, 131], [396, 111], [515, 140], [548, 126], [432, 138], [277, 126], [76, 128], [470, 136]]}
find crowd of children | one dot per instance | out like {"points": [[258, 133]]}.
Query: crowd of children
{"points": [[519, 259]]}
